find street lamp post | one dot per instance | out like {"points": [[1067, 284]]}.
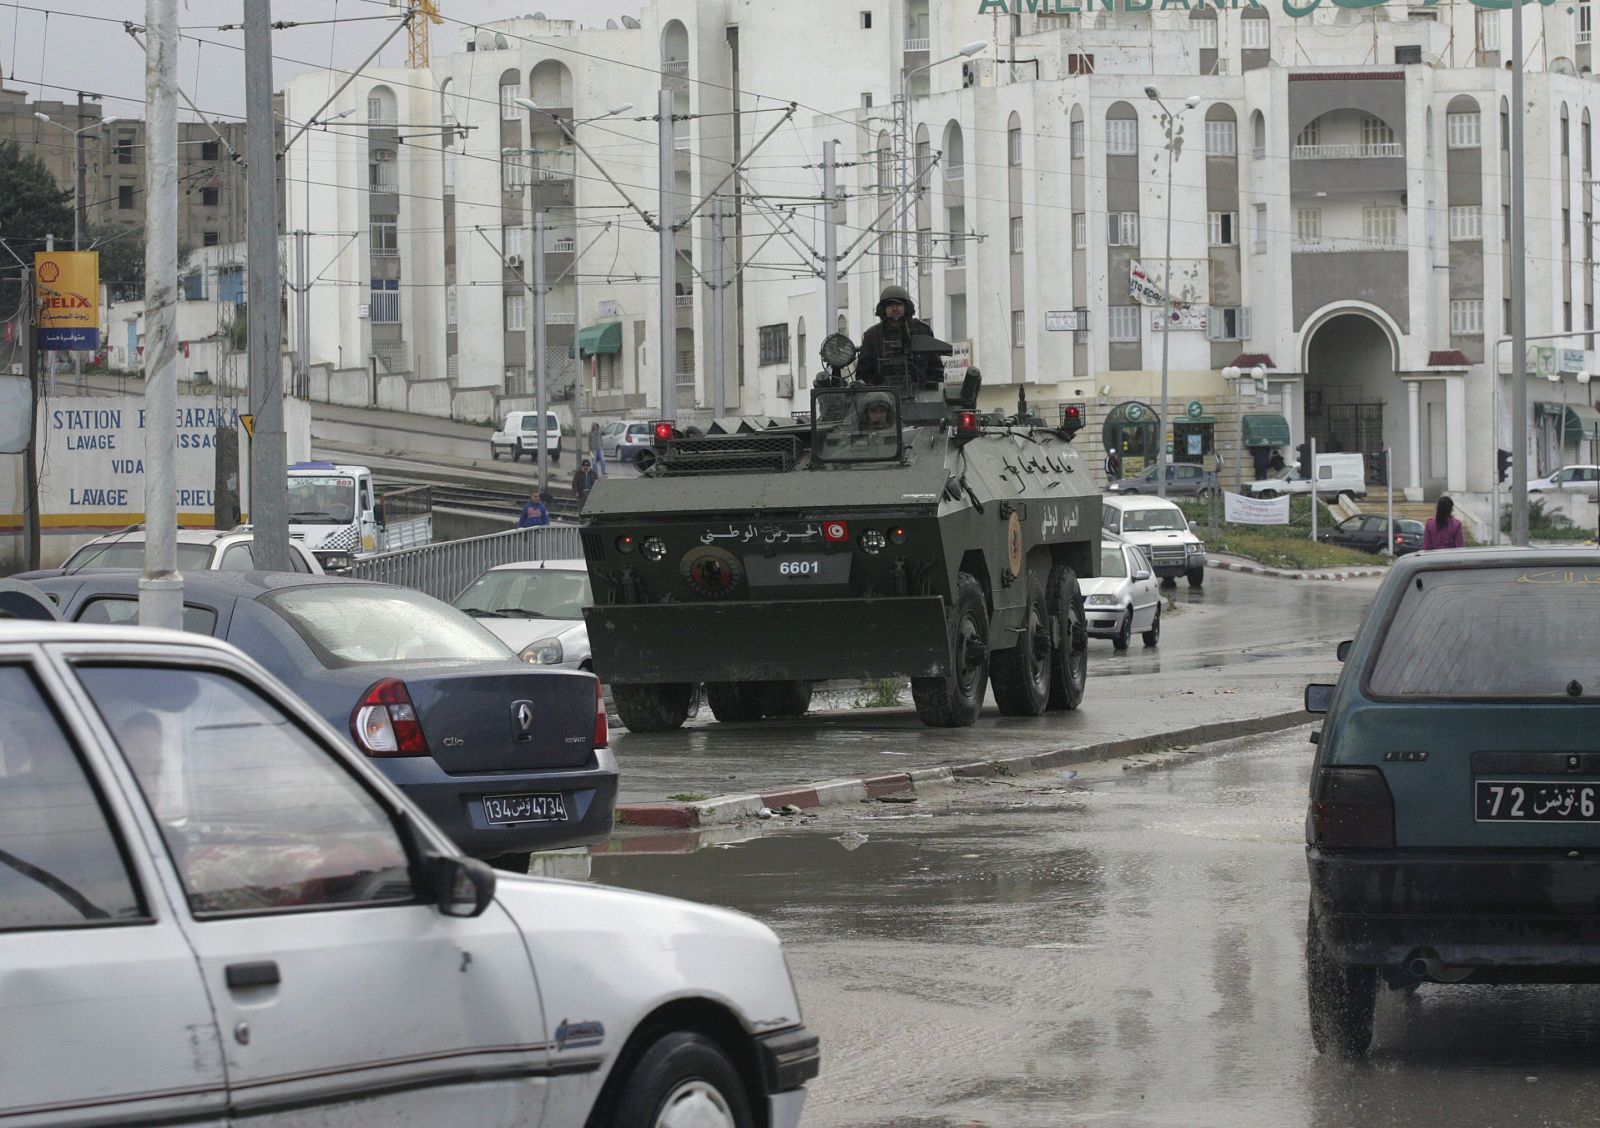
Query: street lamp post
{"points": [[569, 130], [1173, 145], [903, 233]]}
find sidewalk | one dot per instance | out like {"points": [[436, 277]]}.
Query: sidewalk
{"points": [[1251, 567]]}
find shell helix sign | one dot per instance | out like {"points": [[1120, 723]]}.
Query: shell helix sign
{"points": [[69, 300]]}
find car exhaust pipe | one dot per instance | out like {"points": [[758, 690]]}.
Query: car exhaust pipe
{"points": [[1426, 965]]}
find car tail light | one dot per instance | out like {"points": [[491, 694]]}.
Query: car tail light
{"points": [[385, 722], [602, 731], [1351, 807], [1399, 540]]}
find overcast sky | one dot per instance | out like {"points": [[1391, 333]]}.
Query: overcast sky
{"points": [[74, 45]]}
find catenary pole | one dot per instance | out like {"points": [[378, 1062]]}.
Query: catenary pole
{"points": [[1519, 301], [668, 311], [541, 359], [719, 293], [161, 585], [30, 459], [79, 220], [830, 240], [269, 475]]}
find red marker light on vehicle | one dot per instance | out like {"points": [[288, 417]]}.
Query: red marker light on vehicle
{"points": [[664, 431], [385, 722], [1074, 414], [625, 544], [967, 423]]}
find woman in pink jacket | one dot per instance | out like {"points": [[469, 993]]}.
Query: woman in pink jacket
{"points": [[1442, 529]]}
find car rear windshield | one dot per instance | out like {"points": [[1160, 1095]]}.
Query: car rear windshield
{"points": [[1153, 521], [1112, 564], [130, 554], [1493, 632], [357, 624]]}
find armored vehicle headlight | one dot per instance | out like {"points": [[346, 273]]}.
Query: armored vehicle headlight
{"points": [[897, 535], [654, 548], [626, 544], [872, 541], [544, 652]]}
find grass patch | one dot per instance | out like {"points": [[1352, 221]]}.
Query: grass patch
{"points": [[879, 693], [688, 797], [1280, 546]]}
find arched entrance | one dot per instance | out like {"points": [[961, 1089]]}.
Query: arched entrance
{"points": [[1350, 380], [1131, 429]]}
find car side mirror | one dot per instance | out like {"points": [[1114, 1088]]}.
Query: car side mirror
{"points": [[462, 887], [1342, 651], [1318, 697], [1141, 574]]}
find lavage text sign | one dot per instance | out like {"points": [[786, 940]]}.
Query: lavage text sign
{"points": [[1291, 8]]}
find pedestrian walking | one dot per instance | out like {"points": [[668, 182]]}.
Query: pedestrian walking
{"points": [[1443, 529], [535, 511], [594, 449], [583, 479], [1113, 465]]}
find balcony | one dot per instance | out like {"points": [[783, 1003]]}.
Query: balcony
{"points": [[1345, 245], [917, 44], [684, 301], [558, 318], [1346, 152], [562, 245]]}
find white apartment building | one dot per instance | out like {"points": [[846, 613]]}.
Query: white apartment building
{"points": [[1339, 213]]}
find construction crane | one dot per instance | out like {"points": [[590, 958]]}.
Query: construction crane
{"points": [[423, 13]]}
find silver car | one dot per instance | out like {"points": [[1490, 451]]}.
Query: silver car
{"points": [[536, 608], [1124, 598]]}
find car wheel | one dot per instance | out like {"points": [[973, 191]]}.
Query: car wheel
{"points": [[1020, 677], [683, 1080], [1268, 495], [1124, 633], [1203, 493], [785, 698], [734, 702], [555, 456], [653, 707], [1069, 663], [1341, 999], [1153, 635], [953, 701], [1197, 577], [516, 454], [494, 452]]}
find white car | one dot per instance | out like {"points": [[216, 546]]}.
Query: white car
{"points": [[624, 443], [1160, 530], [199, 550], [1123, 599], [519, 435], [1569, 479], [213, 911], [536, 608]]}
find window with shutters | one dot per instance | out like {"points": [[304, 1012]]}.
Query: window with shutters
{"points": [[1257, 33], [1014, 147], [1461, 131], [513, 172], [1222, 137], [1585, 22], [1380, 225], [511, 241], [1489, 30], [1466, 317], [1122, 322], [1077, 136], [1208, 34], [774, 344], [516, 313], [509, 93], [1308, 224], [1019, 328], [1016, 234], [1228, 323], [1375, 131], [1310, 135], [1466, 222], [1122, 137], [1080, 230], [1224, 228], [1123, 229], [1260, 247], [385, 235]]}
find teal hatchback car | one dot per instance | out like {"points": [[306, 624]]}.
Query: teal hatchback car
{"points": [[1453, 833]]}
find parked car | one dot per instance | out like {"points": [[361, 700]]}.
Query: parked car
{"points": [[1183, 480], [1453, 834], [626, 443], [1123, 598], [505, 758], [519, 435], [1338, 473], [536, 608], [1161, 532], [199, 550], [1569, 479], [226, 915], [1370, 532]]}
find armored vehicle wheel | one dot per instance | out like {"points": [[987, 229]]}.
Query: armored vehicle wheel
{"points": [[1069, 663], [1020, 677], [644, 460], [785, 698], [953, 701], [734, 701], [655, 707]]}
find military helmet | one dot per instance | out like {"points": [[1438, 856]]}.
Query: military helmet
{"points": [[876, 399], [899, 294]]}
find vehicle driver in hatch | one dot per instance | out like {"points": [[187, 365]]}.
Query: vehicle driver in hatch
{"points": [[877, 413]]}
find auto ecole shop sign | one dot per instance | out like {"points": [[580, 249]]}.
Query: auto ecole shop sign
{"points": [[69, 299]]}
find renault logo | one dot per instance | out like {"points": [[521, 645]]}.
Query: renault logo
{"points": [[522, 717]]}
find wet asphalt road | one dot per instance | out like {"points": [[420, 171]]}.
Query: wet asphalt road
{"points": [[1121, 948]]}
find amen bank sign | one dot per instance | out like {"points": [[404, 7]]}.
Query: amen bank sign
{"points": [[1290, 7]]}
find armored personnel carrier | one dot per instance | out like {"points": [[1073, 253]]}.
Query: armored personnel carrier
{"points": [[894, 533]]}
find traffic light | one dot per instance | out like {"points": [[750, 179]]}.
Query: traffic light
{"points": [[1072, 415], [1503, 462], [1302, 454]]}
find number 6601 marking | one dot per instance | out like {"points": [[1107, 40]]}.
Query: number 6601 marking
{"points": [[799, 567]]}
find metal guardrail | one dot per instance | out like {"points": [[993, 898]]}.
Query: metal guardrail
{"points": [[443, 570]]}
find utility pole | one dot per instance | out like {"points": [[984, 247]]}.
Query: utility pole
{"points": [[30, 461], [79, 222], [668, 311], [269, 478], [540, 358], [161, 585], [302, 313], [719, 287], [830, 240], [1519, 298]]}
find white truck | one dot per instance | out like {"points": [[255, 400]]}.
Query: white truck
{"points": [[336, 513], [1336, 474]]}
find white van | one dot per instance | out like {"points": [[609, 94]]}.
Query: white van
{"points": [[1336, 474], [519, 435]]}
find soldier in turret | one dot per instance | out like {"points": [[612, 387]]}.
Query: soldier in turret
{"points": [[886, 356]]}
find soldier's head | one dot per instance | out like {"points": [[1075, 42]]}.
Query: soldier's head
{"points": [[895, 304], [877, 412]]}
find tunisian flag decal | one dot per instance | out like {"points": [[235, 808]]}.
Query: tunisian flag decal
{"points": [[835, 531]]}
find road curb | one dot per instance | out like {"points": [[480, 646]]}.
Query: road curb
{"points": [[725, 809], [1252, 568]]}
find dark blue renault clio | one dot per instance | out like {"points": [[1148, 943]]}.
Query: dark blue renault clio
{"points": [[1453, 834]]}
